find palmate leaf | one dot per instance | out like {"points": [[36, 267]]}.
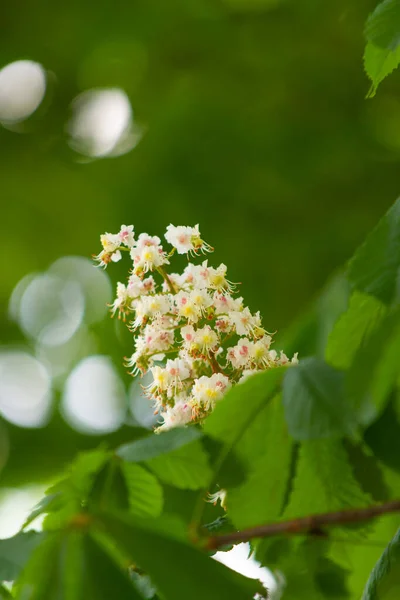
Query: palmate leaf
{"points": [[315, 402], [261, 497], [374, 268], [383, 25], [384, 581]]}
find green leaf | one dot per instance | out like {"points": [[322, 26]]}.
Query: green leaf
{"points": [[383, 436], [383, 25], [374, 370], [324, 481], [241, 405], [309, 574], [157, 444], [374, 268], [315, 402], [144, 492], [71, 565], [260, 499], [384, 581], [45, 505], [5, 594], [74, 490], [178, 570], [84, 468], [15, 552], [186, 467], [353, 327], [378, 64]]}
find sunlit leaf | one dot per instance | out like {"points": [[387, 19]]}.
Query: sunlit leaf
{"points": [[364, 314], [260, 498], [378, 64], [324, 481], [186, 467], [144, 492], [241, 405]]}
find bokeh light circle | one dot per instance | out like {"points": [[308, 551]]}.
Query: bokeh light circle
{"points": [[25, 389], [22, 89], [94, 399]]}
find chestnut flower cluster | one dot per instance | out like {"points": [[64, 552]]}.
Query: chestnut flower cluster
{"points": [[190, 331]]}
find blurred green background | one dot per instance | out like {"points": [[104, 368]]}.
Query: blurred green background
{"points": [[248, 117]]}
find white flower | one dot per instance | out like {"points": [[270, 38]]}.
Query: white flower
{"points": [[157, 340], [207, 390], [193, 276], [188, 334], [110, 242], [201, 299], [147, 258], [178, 415], [177, 371], [145, 241], [126, 235], [240, 355], [186, 239], [217, 279], [245, 323], [206, 340], [110, 252], [224, 303], [160, 381], [186, 307], [260, 351], [120, 303]]}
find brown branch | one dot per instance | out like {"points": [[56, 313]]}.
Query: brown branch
{"points": [[310, 524]]}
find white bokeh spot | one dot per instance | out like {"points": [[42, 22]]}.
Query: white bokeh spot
{"points": [[102, 123], [25, 389], [94, 399], [22, 89]]}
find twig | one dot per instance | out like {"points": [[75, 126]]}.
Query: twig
{"points": [[310, 524]]}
